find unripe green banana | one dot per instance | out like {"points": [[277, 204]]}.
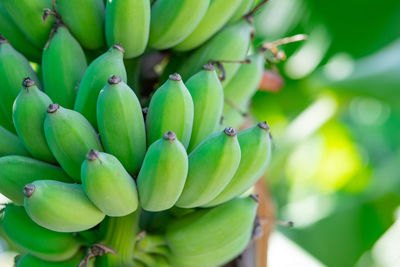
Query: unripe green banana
{"points": [[208, 100], [244, 7], [39, 241], [128, 24], [95, 78], [85, 19], [13, 69], [63, 65], [17, 171], [27, 14], [60, 207], [255, 145], [28, 260], [212, 237], [108, 185], [29, 113], [121, 124], [231, 43], [218, 13], [233, 116], [172, 21], [70, 136], [170, 109], [17, 38], [5, 123], [10, 144], [163, 174], [211, 167]]}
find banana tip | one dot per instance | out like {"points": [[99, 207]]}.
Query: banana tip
{"points": [[255, 198], [114, 79], [263, 125], [175, 77], [29, 189], [230, 131], [119, 47], [27, 82], [169, 136], [92, 155], [52, 108], [208, 67]]}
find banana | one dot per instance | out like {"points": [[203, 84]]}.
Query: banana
{"points": [[255, 145], [218, 13], [63, 65], [244, 7], [17, 171], [95, 78], [10, 144], [163, 174], [212, 237], [85, 19], [128, 23], [208, 100], [108, 185], [4, 122], [40, 242], [29, 113], [172, 21], [233, 116], [28, 260], [60, 207], [211, 167], [70, 136], [231, 43], [27, 14], [170, 109], [13, 69], [17, 38], [121, 124]]}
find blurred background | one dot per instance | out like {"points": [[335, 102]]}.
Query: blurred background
{"points": [[336, 125]]}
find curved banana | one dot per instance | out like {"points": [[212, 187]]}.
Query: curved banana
{"points": [[218, 13], [29, 113], [60, 207], [13, 69], [95, 78], [128, 24], [108, 185], [211, 167], [231, 43], [40, 242], [208, 100], [121, 124], [10, 144], [17, 171], [63, 65], [170, 109], [163, 174], [255, 144], [244, 7], [27, 14], [85, 19], [173, 20], [28, 260], [70, 136], [230, 225]]}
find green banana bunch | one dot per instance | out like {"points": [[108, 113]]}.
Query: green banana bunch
{"points": [[10, 144], [40, 242], [208, 100], [218, 13], [173, 20], [70, 136], [30, 106], [17, 38], [6, 124], [13, 69], [170, 109], [212, 237], [255, 145], [231, 43], [60, 207], [108, 185], [211, 167], [27, 260], [95, 78], [85, 19], [121, 124], [163, 174], [27, 14], [17, 171], [63, 65], [128, 24], [244, 7]]}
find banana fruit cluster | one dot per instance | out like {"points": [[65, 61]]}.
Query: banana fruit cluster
{"points": [[101, 173]]}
